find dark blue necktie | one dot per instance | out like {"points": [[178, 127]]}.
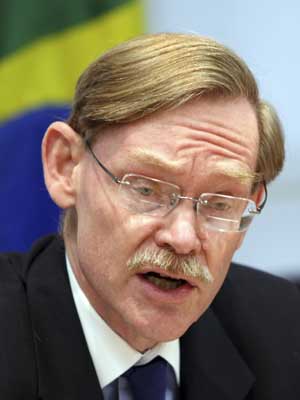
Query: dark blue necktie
{"points": [[149, 381]]}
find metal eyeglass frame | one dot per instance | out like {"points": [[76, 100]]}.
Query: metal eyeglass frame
{"points": [[195, 200]]}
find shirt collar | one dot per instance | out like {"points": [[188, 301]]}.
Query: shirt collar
{"points": [[102, 341]]}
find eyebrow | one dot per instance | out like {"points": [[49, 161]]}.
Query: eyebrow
{"points": [[227, 168], [234, 169], [152, 159]]}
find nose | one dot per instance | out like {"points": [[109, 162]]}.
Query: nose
{"points": [[179, 231]]}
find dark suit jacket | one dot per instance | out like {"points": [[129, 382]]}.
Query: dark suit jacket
{"points": [[246, 346]]}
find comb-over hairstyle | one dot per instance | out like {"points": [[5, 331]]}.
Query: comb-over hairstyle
{"points": [[158, 71], [163, 71]]}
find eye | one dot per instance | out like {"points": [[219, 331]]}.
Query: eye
{"points": [[144, 191], [217, 205], [221, 206]]}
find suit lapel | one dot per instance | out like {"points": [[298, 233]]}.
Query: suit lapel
{"points": [[211, 367], [65, 368]]}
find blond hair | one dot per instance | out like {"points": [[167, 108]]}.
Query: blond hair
{"points": [[163, 71]]}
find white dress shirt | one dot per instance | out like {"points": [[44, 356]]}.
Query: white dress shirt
{"points": [[111, 354]]}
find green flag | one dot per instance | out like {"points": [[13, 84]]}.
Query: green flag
{"points": [[44, 45]]}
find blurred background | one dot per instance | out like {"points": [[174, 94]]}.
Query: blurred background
{"points": [[45, 45]]}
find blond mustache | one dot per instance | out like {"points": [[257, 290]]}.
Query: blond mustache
{"points": [[166, 260]]}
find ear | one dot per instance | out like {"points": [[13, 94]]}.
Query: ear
{"points": [[258, 195], [61, 152]]}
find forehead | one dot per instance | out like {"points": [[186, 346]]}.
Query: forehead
{"points": [[220, 134]]}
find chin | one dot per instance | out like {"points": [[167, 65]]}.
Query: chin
{"points": [[144, 324], [156, 331]]}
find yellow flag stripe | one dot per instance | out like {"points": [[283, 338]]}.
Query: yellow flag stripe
{"points": [[46, 71]]}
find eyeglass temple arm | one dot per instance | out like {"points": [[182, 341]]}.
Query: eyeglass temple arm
{"points": [[113, 177], [259, 209], [117, 180]]}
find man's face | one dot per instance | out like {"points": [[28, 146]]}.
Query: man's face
{"points": [[192, 147]]}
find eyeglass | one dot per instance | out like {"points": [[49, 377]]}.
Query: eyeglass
{"points": [[145, 195]]}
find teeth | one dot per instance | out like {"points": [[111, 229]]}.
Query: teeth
{"points": [[164, 283]]}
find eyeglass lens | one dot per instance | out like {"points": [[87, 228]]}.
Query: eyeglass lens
{"points": [[157, 198]]}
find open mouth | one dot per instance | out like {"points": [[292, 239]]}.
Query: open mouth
{"points": [[164, 282]]}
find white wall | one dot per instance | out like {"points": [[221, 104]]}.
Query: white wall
{"points": [[267, 35]]}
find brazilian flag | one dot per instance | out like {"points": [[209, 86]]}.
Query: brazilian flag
{"points": [[44, 46]]}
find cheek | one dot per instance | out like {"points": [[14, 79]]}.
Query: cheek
{"points": [[101, 215], [220, 250], [105, 244], [109, 233], [219, 253]]}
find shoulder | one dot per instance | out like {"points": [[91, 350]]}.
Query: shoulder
{"points": [[10, 267], [17, 362], [14, 267], [260, 313], [260, 288], [266, 298], [17, 367]]}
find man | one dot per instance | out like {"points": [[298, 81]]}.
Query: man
{"points": [[160, 169]]}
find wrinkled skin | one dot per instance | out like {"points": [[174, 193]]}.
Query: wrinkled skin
{"points": [[192, 140]]}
